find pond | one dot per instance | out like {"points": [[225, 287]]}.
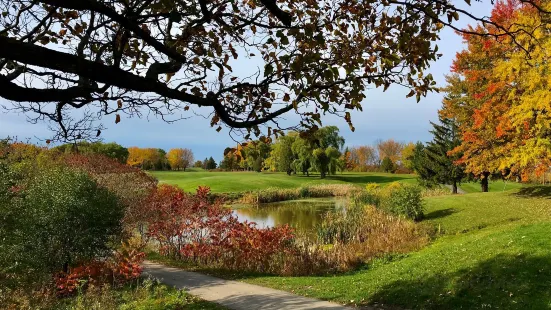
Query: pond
{"points": [[303, 215]]}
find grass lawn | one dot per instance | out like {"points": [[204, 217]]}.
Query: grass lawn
{"points": [[494, 186], [225, 182], [496, 254]]}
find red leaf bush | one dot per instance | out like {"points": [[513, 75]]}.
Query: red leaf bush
{"points": [[190, 228], [123, 267]]}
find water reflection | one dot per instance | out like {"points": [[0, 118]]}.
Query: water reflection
{"points": [[303, 215]]}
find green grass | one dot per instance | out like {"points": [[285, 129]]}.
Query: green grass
{"points": [[148, 295], [225, 182], [493, 186], [496, 254]]}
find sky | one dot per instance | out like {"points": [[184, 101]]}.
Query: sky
{"points": [[385, 114]]}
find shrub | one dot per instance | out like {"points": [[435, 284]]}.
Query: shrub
{"points": [[61, 218], [191, 228], [131, 185], [123, 267], [404, 200]]}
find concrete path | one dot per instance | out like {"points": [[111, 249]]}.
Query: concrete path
{"points": [[459, 190], [233, 294]]}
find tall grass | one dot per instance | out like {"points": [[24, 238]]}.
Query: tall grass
{"points": [[312, 191], [404, 200]]}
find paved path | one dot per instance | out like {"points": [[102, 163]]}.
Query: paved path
{"points": [[233, 294], [459, 190]]}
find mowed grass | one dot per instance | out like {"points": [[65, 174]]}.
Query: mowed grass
{"points": [[225, 182], [493, 186], [496, 253]]}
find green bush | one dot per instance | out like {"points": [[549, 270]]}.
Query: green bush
{"points": [[404, 200], [60, 218]]}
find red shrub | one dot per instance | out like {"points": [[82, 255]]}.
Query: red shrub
{"points": [[189, 227], [124, 266]]}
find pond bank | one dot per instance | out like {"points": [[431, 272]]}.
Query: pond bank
{"points": [[285, 194]]}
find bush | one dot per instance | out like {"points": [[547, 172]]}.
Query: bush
{"points": [[365, 232], [404, 200], [189, 228], [60, 218]]}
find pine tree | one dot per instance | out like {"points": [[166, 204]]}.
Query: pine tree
{"points": [[439, 166]]}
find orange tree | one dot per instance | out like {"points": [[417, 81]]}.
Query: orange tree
{"points": [[117, 57], [501, 112]]}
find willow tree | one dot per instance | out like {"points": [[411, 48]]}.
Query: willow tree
{"points": [[109, 58]]}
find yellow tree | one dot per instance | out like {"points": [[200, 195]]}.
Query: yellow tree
{"points": [[501, 98], [407, 154], [179, 158], [135, 156]]}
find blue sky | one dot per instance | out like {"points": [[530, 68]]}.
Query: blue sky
{"points": [[385, 115]]}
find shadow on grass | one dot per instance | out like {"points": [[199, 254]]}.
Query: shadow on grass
{"points": [[439, 214], [535, 192], [502, 282]]}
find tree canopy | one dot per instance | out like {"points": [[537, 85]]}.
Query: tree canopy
{"points": [[117, 57], [500, 96]]}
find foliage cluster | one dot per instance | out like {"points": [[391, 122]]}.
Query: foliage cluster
{"points": [[112, 150], [499, 96], [190, 228], [294, 152], [405, 200], [63, 217]]}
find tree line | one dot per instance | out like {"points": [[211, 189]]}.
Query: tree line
{"points": [[321, 152], [144, 158]]}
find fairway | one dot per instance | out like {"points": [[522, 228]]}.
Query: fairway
{"points": [[225, 182], [495, 251]]}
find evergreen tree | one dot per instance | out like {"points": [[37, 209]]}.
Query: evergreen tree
{"points": [[211, 164], [440, 166], [387, 165]]}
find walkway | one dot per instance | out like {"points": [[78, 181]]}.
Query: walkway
{"points": [[233, 294], [459, 190]]}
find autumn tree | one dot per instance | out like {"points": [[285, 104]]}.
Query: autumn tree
{"points": [[407, 154], [389, 148], [497, 94], [120, 57], [362, 157], [180, 158], [145, 158]]}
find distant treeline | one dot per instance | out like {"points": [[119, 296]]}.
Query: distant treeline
{"points": [[144, 158], [322, 152]]}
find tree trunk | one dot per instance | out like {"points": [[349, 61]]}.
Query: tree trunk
{"points": [[454, 187], [322, 175], [484, 182]]}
